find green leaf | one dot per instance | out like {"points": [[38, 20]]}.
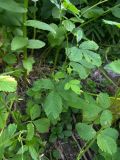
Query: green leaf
{"points": [[3, 118], [68, 25], [53, 105], [116, 12], [12, 6], [90, 112], [22, 150], [89, 12], [111, 132], [35, 44], [11, 129], [56, 39], [74, 54], [89, 45], [6, 135], [86, 132], [112, 23], [92, 57], [114, 66], [28, 64], [39, 25], [42, 125], [103, 100], [19, 43], [72, 99], [69, 6], [106, 118], [10, 58], [43, 84], [78, 33], [74, 85], [106, 143], [35, 111], [81, 70], [8, 84], [30, 131], [33, 153]]}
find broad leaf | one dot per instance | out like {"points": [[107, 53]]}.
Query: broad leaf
{"points": [[28, 64], [39, 25], [111, 132], [106, 144], [35, 111], [35, 44], [19, 43], [43, 84], [68, 5], [8, 84], [114, 66], [12, 5], [10, 58], [69, 26], [89, 45], [106, 118], [116, 12], [86, 132], [53, 105], [42, 125], [103, 100]]}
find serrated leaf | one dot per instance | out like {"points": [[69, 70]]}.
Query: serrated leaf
{"points": [[114, 66], [111, 132], [53, 105], [42, 125], [8, 84], [18, 43], [43, 84], [12, 6], [103, 100], [89, 45], [35, 44], [39, 25], [35, 111], [106, 144], [106, 118], [28, 64], [86, 132], [69, 26], [30, 131], [74, 54], [90, 112]]}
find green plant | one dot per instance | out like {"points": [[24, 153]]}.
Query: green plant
{"points": [[76, 39]]}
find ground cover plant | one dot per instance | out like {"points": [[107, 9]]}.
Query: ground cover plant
{"points": [[59, 79]]}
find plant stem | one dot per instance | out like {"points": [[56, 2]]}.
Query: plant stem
{"points": [[93, 19], [24, 26], [85, 148], [34, 31], [94, 6], [107, 77]]}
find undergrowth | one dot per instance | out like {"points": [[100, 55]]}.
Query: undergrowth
{"points": [[59, 81]]}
